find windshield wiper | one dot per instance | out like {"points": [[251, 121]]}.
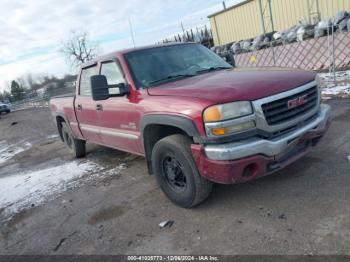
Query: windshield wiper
{"points": [[210, 69], [170, 77]]}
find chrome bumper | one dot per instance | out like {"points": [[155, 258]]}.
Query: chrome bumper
{"points": [[255, 146]]}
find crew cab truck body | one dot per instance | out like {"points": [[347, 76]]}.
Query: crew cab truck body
{"points": [[196, 119]]}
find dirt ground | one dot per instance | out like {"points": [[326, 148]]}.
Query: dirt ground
{"points": [[303, 209]]}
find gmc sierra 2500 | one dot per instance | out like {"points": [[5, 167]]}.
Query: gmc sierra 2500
{"points": [[196, 119]]}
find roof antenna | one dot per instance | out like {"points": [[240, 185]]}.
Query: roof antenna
{"points": [[132, 33]]}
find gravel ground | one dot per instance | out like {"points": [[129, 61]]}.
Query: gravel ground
{"points": [[114, 207]]}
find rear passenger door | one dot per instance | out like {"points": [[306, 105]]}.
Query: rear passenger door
{"points": [[119, 117], [85, 106]]}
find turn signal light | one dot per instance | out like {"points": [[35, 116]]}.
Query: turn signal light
{"points": [[218, 131]]}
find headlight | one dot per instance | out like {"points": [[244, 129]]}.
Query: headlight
{"points": [[227, 111]]}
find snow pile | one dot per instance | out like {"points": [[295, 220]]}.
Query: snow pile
{"points": [[32, 188], [338, 86], [337, 90], [339, 76], [27, 189], [53, 136], [9, 151]]}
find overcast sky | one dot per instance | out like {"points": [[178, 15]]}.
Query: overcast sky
{"points": [[31, 32]]}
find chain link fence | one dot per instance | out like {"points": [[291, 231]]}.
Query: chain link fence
{"points": [[36, 102], [325, 53], [43, 100]]}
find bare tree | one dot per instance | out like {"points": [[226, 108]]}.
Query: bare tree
{"points": [[21, 81], [30, 81], [79, 49]]}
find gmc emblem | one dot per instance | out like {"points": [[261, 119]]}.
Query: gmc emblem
{"points": [[297, 102]]}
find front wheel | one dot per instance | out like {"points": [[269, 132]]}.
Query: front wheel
{"points": [[176, 172], [77, 147]]}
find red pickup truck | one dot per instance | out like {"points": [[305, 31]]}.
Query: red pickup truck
{"points": [[196, 119]]}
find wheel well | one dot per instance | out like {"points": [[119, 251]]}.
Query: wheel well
{"points": [[59, 121], [152, 134]]}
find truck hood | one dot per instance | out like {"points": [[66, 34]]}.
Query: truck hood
{"points": [[235, 84]]}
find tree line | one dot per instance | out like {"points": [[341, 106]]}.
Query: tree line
{"points": [[29, 87]]}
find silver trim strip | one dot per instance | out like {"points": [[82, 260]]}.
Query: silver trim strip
{"points": [[119, 134], [89, 129], [254, 146], [109, 132]]}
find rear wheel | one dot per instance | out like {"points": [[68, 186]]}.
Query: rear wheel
{"points": [[176, 172], [76, 146]]}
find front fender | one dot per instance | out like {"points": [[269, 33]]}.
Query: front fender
{"points": [[184, 123]]}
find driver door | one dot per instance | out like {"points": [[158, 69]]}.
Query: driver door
{"points": [[118, 115]]}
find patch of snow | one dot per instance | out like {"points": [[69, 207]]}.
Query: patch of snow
{"points": [[25, 189], [336, 90], [338, 86], [33, 188], [52, 136], [339, 76], [9, 151], [115, 170]]}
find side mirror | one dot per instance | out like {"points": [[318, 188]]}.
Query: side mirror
{"points": [[99, 87], [118, 90], [102, 91]]}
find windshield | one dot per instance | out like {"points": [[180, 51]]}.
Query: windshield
{"points": [[151, 67]]}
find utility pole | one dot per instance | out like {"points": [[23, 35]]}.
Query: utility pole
{"points": [[266, 16], [313, 11], [224, 5], [132, 33]]}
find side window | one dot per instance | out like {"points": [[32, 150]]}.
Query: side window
{"points": [[85, 85], [112, 72]]}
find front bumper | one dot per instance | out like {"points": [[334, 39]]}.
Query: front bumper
{"points": [[265, 147], [248, 159]]}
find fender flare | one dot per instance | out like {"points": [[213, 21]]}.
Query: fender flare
{"points": [[181, 122], [63, 115], [184, 123]]}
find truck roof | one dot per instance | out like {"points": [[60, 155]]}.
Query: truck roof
{"points": [[128, 50]]}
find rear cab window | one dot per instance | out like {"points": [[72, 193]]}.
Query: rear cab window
{"points": [[85, 85]]}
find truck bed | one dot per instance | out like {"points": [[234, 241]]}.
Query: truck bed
{"points": [[63, 107]]}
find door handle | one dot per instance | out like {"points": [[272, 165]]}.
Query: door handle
{"points": [[79, 107], [98, 107]]}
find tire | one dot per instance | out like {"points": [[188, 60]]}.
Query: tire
{"points": [[176, 172], [76, 147], [8, 111]]}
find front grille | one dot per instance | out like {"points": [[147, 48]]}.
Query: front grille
{"points": [[277, 112]]}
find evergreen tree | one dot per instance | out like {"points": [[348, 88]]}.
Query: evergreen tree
{"points": [[17, 91]]}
